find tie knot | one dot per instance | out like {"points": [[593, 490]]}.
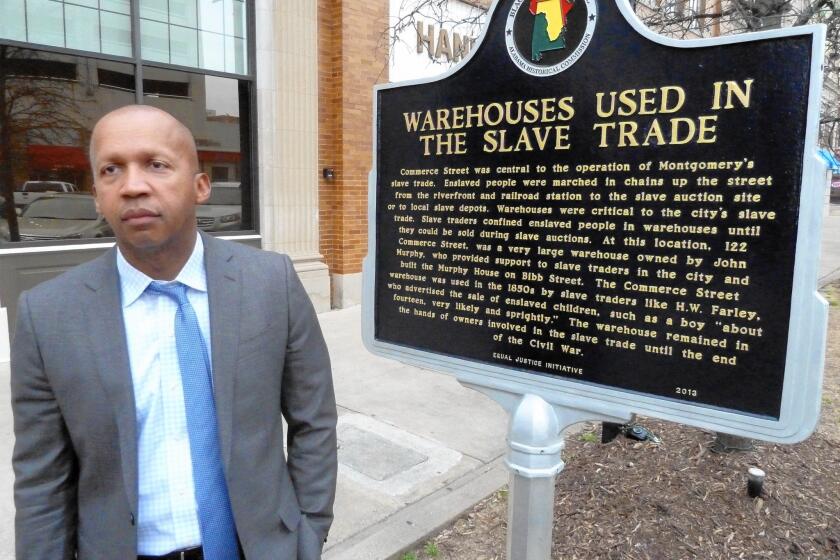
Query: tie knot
{"points": [[174, 290]]}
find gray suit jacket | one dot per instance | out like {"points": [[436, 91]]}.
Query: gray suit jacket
{"points": [[75, 456]]}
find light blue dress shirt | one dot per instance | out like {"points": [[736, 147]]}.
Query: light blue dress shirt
{"points": [[167, 517]]}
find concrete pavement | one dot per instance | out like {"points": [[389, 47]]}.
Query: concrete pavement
{"points": [[415, 448]]}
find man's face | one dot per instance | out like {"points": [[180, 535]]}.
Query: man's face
{"points": [[146, 180]]}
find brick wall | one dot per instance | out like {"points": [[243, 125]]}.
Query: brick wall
{"points": [[352, 57]]}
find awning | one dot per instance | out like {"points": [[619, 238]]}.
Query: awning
{"points": [[210, 156], [57, 157], [830, 159]]}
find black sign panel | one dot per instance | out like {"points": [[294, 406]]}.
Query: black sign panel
{"points": [[580, 201]]}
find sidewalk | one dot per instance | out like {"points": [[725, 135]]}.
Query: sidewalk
{"points": [[416, 448]]}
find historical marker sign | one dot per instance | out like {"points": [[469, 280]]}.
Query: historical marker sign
{"points": [[593, 213]]}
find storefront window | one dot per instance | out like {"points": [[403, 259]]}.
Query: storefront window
{"points": [[212, 108], [50, 102]]}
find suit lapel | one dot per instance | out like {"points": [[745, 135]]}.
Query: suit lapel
{"points": [[224, 291], [103, 309]]}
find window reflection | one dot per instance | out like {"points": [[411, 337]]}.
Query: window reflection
{"points": [[183, 43], [119, 6], [212, 51], [48, 27], [154, 10], [182, 12], [86, 25], [154, 40], [13, 20], [116, 34], [60, 216], [207, 34], [82, 28], [51, 102], [215, 109]]}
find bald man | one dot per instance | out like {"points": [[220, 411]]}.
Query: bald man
{"points": [[150, 386]]}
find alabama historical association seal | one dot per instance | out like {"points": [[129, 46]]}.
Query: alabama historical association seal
{"points": [[545, 37]]}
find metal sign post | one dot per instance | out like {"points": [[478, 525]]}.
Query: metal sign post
{"points": [[536, 440]]}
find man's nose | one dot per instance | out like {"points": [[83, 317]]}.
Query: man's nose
{"points": [[135, 182]]}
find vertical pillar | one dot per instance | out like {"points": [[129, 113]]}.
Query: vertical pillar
{"points": [[536, 444], [354, 58], [287, 128], [4, 335]]}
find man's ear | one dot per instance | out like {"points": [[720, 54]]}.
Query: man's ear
{"points": [[202, 188]]}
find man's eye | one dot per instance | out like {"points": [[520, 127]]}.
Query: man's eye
{"points": [[158, 165], [109, 169]]}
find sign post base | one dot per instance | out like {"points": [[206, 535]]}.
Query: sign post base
{"points": [[535, 445]]}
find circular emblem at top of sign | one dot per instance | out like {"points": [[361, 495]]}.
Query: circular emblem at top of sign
{"points": [[545, 37]]}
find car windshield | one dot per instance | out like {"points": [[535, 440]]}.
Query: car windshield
{"points": [[81, 208], [41, 186], [225, 195]]}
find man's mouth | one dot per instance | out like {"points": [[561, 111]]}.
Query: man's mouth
{"points": [[138, 216]]}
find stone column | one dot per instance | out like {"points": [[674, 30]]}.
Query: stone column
{"points": [[4, 334], [287, 128]]}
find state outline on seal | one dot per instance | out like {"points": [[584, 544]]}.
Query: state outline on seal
{"points": [[549, 34]]}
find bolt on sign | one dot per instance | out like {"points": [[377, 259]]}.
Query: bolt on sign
{"points": [[590, 212]]}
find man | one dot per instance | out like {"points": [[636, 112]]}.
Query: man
{"points": [[149, 386]]}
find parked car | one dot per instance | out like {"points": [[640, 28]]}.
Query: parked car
{"points": [[223, 211], [60, 216], [835, 189], [32, 190]]}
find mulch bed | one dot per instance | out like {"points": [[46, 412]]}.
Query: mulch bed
{"points": [[679, 499]]}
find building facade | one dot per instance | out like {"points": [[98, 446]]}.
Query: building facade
{"points": [[278, 95]]}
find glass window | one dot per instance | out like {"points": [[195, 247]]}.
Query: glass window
{"points": [[182, 12], [52, 100], [154, 40], [86, 25], [183, 46], [215, 40], [51, 103], [166, 88], [48, 27], [82, 28], [211, 16], [116, 34], [62, 208], [212, 53], [115, 79], [235, 57], [156, 10], [13, 20], [235, 12], [119, 6], [214, 113]]}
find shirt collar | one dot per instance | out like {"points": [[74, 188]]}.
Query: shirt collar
{"points": [[133, 282]]}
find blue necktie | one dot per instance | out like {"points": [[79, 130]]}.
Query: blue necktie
{"points": [[218, 532]]}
